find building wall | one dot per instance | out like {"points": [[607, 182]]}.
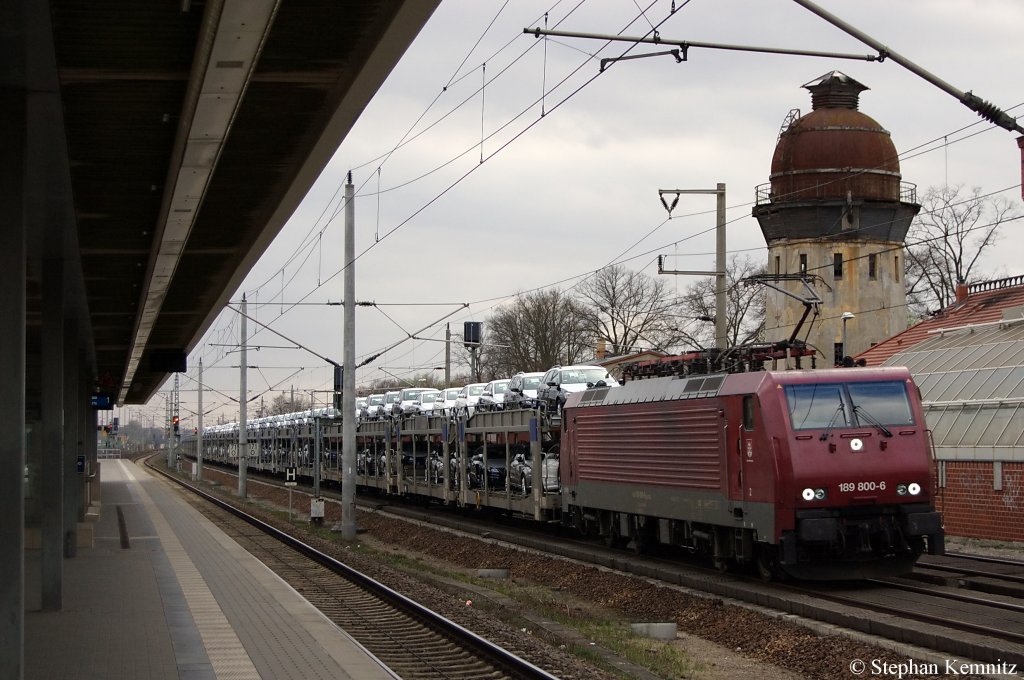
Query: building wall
{"points": [[876, 298], [972, 507]]}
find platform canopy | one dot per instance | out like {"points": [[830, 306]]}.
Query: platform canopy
{"points": [[168, 142]]}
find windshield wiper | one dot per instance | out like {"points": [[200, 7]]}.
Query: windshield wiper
{"points": [[832, 423], [859, 410]]}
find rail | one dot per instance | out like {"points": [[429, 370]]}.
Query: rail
{"points": [[502, 658]]}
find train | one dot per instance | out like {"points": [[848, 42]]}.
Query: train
{"points": [[809, 474]]}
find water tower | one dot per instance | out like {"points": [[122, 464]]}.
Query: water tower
{"points": [[836, 211]]}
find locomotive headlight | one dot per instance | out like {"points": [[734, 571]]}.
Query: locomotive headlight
{"points": [[914, 488], [813, 494]]}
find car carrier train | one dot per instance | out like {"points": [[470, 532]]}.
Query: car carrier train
{"points": [[823, 474]]}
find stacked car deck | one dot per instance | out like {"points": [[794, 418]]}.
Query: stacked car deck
{"points": [[441, 459]]}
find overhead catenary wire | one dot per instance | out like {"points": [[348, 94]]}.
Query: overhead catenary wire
{"points": [[630, 260], [469, 172], [509, 42]]}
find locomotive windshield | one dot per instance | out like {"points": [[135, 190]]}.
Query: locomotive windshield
{"points": [[817, 406]]}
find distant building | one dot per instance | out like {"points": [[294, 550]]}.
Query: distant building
{"points": [[968, 361], [836, 213]]}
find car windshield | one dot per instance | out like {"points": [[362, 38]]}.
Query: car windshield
{"points": [[376, 400], [410, 395], [824, 405], [392, 398], [452, 395], [428, 397], [531, 383], [476, 390], [500, 388], [584, 375]]}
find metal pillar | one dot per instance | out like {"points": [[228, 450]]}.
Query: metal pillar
{"points": [[51, 469], [168, 407], [177, 429], [13, 121], [721, 308], [85, 444], [348, 387], [721, 299], [317, 457], [447, 355], [243, 442], [199, 427]]}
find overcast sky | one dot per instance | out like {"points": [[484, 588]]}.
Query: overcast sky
{"points": [[562, 194]]}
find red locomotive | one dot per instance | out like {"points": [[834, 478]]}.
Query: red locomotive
{"points": [[817, 473]]}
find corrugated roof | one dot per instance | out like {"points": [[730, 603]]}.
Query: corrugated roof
{"points": [[986, 302], [972, 383]]}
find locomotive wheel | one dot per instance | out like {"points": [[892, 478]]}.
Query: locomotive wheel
{"points": [[718, 555], [767, 563], [579, 522], [609, 533], [639, 534]]}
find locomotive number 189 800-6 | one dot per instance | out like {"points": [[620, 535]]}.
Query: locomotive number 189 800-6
{"points": [[846, 487]]}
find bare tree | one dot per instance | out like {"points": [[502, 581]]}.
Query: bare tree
{"points": [[745, 310], [946, 242], [629, 309], [534, 332], [285, 403]]}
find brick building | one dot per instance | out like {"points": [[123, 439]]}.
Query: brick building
{"points": [[968, 361]]}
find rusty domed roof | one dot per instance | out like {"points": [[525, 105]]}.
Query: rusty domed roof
{"points": [[835, 151]]}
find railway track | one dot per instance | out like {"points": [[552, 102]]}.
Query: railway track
{"points": [[979, 620], [937, 617], [415, 642]]}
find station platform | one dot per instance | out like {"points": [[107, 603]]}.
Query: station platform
{"points": [[163, 593]]}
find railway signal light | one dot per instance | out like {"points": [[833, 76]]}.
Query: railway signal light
{"points": [[174, 422]]}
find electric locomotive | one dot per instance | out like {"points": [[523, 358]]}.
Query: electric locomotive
{"points": [[819, 474]]}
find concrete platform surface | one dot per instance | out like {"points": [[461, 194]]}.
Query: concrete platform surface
{"points": [[168, 595]]}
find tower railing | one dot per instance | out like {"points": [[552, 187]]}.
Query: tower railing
{"points": [[763, 193]]}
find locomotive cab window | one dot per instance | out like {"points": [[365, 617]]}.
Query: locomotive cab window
{"points": [[748, 412], [884, 401], [857, 404]]}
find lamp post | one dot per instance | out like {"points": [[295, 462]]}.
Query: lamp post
{"points": [[846, 317]]}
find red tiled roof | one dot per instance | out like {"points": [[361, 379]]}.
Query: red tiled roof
{"points": [[985, 302]]}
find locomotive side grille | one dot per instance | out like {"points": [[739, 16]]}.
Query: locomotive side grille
{"points": [[664, 447]]}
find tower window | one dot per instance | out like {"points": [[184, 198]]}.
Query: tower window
{"points": [[837, 266], [778, 264], [896, 268], [872, 266], [803, 263]]}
